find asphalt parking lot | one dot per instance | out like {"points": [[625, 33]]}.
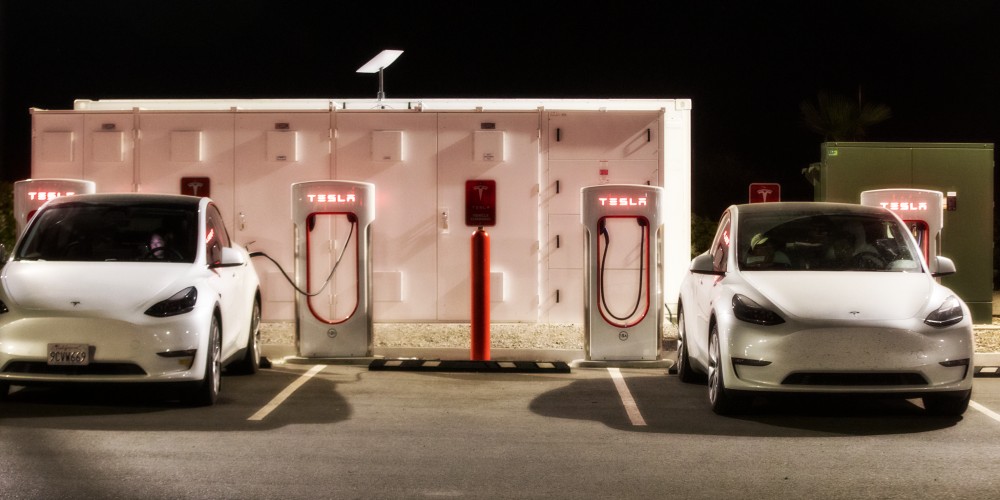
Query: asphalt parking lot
{"points": [[342, 431]]}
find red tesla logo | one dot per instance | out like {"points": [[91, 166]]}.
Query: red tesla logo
{"points": [[196, 186], [763, 192], [480, 203]]}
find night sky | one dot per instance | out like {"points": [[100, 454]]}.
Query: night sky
{"points": [[747, 65]]}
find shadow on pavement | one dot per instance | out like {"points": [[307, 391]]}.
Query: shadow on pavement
{"points": [[157, 407], [672, 407]]}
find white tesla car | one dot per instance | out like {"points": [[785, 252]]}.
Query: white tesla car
{"points": [[128, 288], [822, 298]]}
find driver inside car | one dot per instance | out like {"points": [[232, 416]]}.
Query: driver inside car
{"points": [[763, 253], [850, 250], [156, 246]]}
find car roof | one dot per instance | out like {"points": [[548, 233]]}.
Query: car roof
{"points": [[126, 199], [816, 207]]}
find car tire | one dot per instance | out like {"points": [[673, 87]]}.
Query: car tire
{"points": [[724, 401], [4, 390], [206, 391], [952, 404], [250, 363], [683, 365]]}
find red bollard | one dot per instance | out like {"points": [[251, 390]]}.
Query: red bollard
{"points": [[480, 295]]}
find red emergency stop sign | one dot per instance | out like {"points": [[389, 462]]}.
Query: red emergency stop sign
{"points": [[480, 203]]}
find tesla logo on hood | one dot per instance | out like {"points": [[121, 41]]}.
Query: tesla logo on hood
{"points": [[75, 303], [854, 314]]}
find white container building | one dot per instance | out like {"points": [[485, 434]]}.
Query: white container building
{"points": [[418, 153]]}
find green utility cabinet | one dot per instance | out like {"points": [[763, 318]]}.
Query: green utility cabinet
{"points": [[962, 169]]}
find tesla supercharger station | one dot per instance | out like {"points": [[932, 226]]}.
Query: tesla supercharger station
{"points": [[922, 211], [31, 194], [333, 272], [623, 270]]}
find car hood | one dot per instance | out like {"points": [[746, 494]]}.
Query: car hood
{"points": [[834, 295], [80, 287]]}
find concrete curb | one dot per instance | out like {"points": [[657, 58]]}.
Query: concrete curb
{"points": [[576, 358], [986, 363]]}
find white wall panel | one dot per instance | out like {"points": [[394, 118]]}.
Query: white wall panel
{"points": [[51, 135], [587, 148], [263, 213], [56, 147], [418, 158], [514, 239], [185, 146], [160, 173], [108, 152], [602, 135], [572, 175], [563, 300], [404, 232]]}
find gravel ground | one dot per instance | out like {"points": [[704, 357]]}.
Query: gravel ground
{"points": [[519, 335], [502, 335], [988, 337]]}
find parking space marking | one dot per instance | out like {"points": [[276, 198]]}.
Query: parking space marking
{"points": [[626, 396], [985, 411], [283, 395]]}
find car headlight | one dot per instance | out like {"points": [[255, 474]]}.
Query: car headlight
{"points": [[948, 314], [180, 303], [747, 310]]}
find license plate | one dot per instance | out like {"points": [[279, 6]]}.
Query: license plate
{"points": [[69, 354]]}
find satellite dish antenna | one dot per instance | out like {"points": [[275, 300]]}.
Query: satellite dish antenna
{"points": [[377, 65]]}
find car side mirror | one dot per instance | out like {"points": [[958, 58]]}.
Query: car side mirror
{"points": [[943, 267], [705, 264], [231, 257]]}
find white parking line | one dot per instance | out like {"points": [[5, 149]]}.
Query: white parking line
{"points": [[985, 411], [627, 400], [283, 395]]}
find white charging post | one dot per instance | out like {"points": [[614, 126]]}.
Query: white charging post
{"points": [[31, 194], [922, 210], [333, 267], [623, 268]]}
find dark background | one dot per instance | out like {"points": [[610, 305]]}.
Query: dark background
{"points": [[747, 65]]}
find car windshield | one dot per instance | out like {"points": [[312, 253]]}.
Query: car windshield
{"points": [[91, 232], [825, 242]]}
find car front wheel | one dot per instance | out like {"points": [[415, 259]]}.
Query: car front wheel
{"points": [[684, 371], [206, 391], [250, 363], [723, 401]]}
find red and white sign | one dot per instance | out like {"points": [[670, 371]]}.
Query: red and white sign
{"points": [[47, 195], [196, 186], [334, 198], [905, 206], [622, 201], [480, 203], [764, 192]]}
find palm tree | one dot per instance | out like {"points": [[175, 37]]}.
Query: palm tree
{"points": [[839, 118]]}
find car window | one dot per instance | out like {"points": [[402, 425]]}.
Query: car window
{"points": [[86, 231], [825, 242], [721, 244], [216, 236]]}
